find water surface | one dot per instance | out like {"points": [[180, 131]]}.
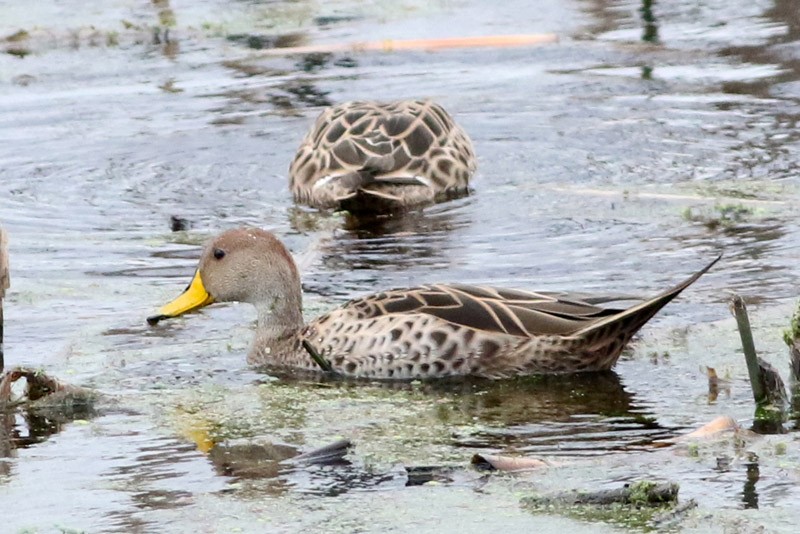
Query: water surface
{"points": [[604, 161]]}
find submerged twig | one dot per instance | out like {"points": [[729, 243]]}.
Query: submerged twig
{"points": [[642, 493], [324, 364], [39, 386]]}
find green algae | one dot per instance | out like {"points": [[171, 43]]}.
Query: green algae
{"points": [[722, 215], [643, 501], [791, 334], [384, 423]]}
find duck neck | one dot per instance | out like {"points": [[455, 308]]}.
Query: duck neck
{"points": [[280, 321], [280, 316]]}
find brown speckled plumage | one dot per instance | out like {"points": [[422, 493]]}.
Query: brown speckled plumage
{"points": [[429, 331], [382, 157]]}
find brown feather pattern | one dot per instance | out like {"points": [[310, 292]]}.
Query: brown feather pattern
{"points": [[447, 330], [370, 156], [429, 331]]}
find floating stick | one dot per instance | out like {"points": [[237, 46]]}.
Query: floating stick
{"points": [[392, 45]]}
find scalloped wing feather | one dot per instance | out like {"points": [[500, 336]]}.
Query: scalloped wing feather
{"points": [[446, 330], [405, 147], [523, 314], [491, 310]]}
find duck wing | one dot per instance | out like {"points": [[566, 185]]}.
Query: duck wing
{"points": [[520, 313], [489, 309]]}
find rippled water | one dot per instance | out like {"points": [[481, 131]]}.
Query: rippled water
{"points": [[603, 162]]}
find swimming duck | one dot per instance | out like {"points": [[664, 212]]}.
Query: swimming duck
{"points": [[429, 331], [370, 157]]}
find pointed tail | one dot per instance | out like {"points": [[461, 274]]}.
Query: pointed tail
{"points": [[625, 324]]}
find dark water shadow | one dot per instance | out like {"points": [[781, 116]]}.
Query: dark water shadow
{"points": [[577, 414], [785, 13], [574, 415], [28, 425], [277, 468], [156, 461], [278, 86], [649, 23], [603, 16]]}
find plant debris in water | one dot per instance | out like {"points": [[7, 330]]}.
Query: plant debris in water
{"points": [[41, 389], [46, 396], [721, 216], [792, 334], [633, 505]]}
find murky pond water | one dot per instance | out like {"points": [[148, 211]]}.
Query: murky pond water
{"points": [[605, 163]]}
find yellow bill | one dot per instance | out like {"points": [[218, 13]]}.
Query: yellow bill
{"points": [[193, 298]]}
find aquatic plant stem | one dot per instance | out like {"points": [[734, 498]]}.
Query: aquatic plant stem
{"points": [[739, 311]]}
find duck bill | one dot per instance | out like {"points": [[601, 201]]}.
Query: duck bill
{"points": [[194, 298]]}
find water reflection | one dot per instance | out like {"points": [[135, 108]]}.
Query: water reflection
{"points": [[581, 414], [286, 98], [773, 133], [786, 12], [409, 239], [32, 424], [538, 398], [283, 89], [260, 41], [308, 94], [155, 473], [562, 415], [650, 34], [275, 468], [749, 492], [794, 392], [312, 63], [171, 48], [370, 249], [289, 95], [604, 16]]}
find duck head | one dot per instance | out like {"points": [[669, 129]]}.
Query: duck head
{"points": [[243, 265]]}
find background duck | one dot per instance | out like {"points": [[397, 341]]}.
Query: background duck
{"points": [[429, 331], [370, 157]]}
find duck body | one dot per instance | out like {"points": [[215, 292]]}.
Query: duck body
{"points": [[431, 331], [371, 157]]}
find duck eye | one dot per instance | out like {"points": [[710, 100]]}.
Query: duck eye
{"points": [[219, 253]]}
